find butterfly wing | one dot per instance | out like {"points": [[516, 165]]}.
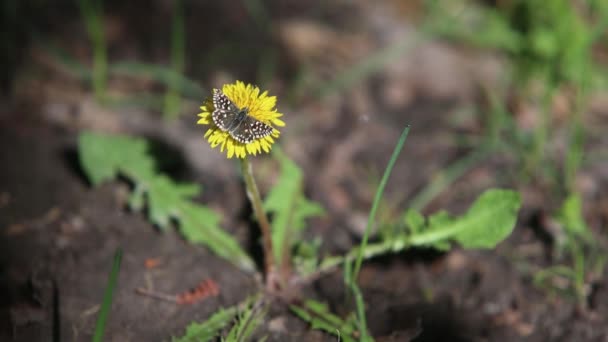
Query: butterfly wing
{"points": [[226, 115], [251, 129], [225, 111]]}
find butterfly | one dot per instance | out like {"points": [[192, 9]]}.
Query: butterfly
{"points": [[237, 121]]}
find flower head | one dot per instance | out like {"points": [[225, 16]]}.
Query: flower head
{"points": [[241, 120]]}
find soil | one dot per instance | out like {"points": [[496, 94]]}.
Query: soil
{"points": [[58, 234]]}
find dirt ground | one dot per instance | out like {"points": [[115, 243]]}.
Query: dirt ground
{"points": [[58, 235]]}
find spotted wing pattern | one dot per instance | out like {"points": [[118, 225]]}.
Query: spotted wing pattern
{"points": [[237, 122], [225, 112], [250, 130]]}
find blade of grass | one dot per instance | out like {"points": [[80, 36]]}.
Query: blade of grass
{"points": [[248, 321], [268, 61], [575, 152], [377, 198], [359, 303], [91, 11], [172, 97], [107, 298], [258, 13], [319, 317], [66, 62], [361, 320], [535, 157]]}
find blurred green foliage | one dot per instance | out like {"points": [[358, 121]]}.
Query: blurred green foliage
{"points": [[549, 47], [579, 256], [548, 44], [543, 38], [92, 13], [178, 47], [290, 208]]}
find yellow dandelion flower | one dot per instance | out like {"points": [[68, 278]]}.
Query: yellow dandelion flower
{"points": [[241, 120]]}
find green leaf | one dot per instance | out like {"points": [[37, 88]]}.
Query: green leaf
{"points": [[306, 256], [245, 326], [571, 215], [489, 221], [106, 304], [320, 317], [103, 157], [414, 220], [440, 219], [203, 332], [289, 206], [166, 199], [200, 224]]}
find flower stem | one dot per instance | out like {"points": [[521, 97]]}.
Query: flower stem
{"points": [[256, 202]]}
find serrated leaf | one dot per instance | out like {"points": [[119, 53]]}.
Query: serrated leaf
{"points": [[440, 219], [166, 197], [489, 221], [195, 217], [137, 198], [319, 317], [246, 324], [289, 206], [203, 332], [103, 157]]}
